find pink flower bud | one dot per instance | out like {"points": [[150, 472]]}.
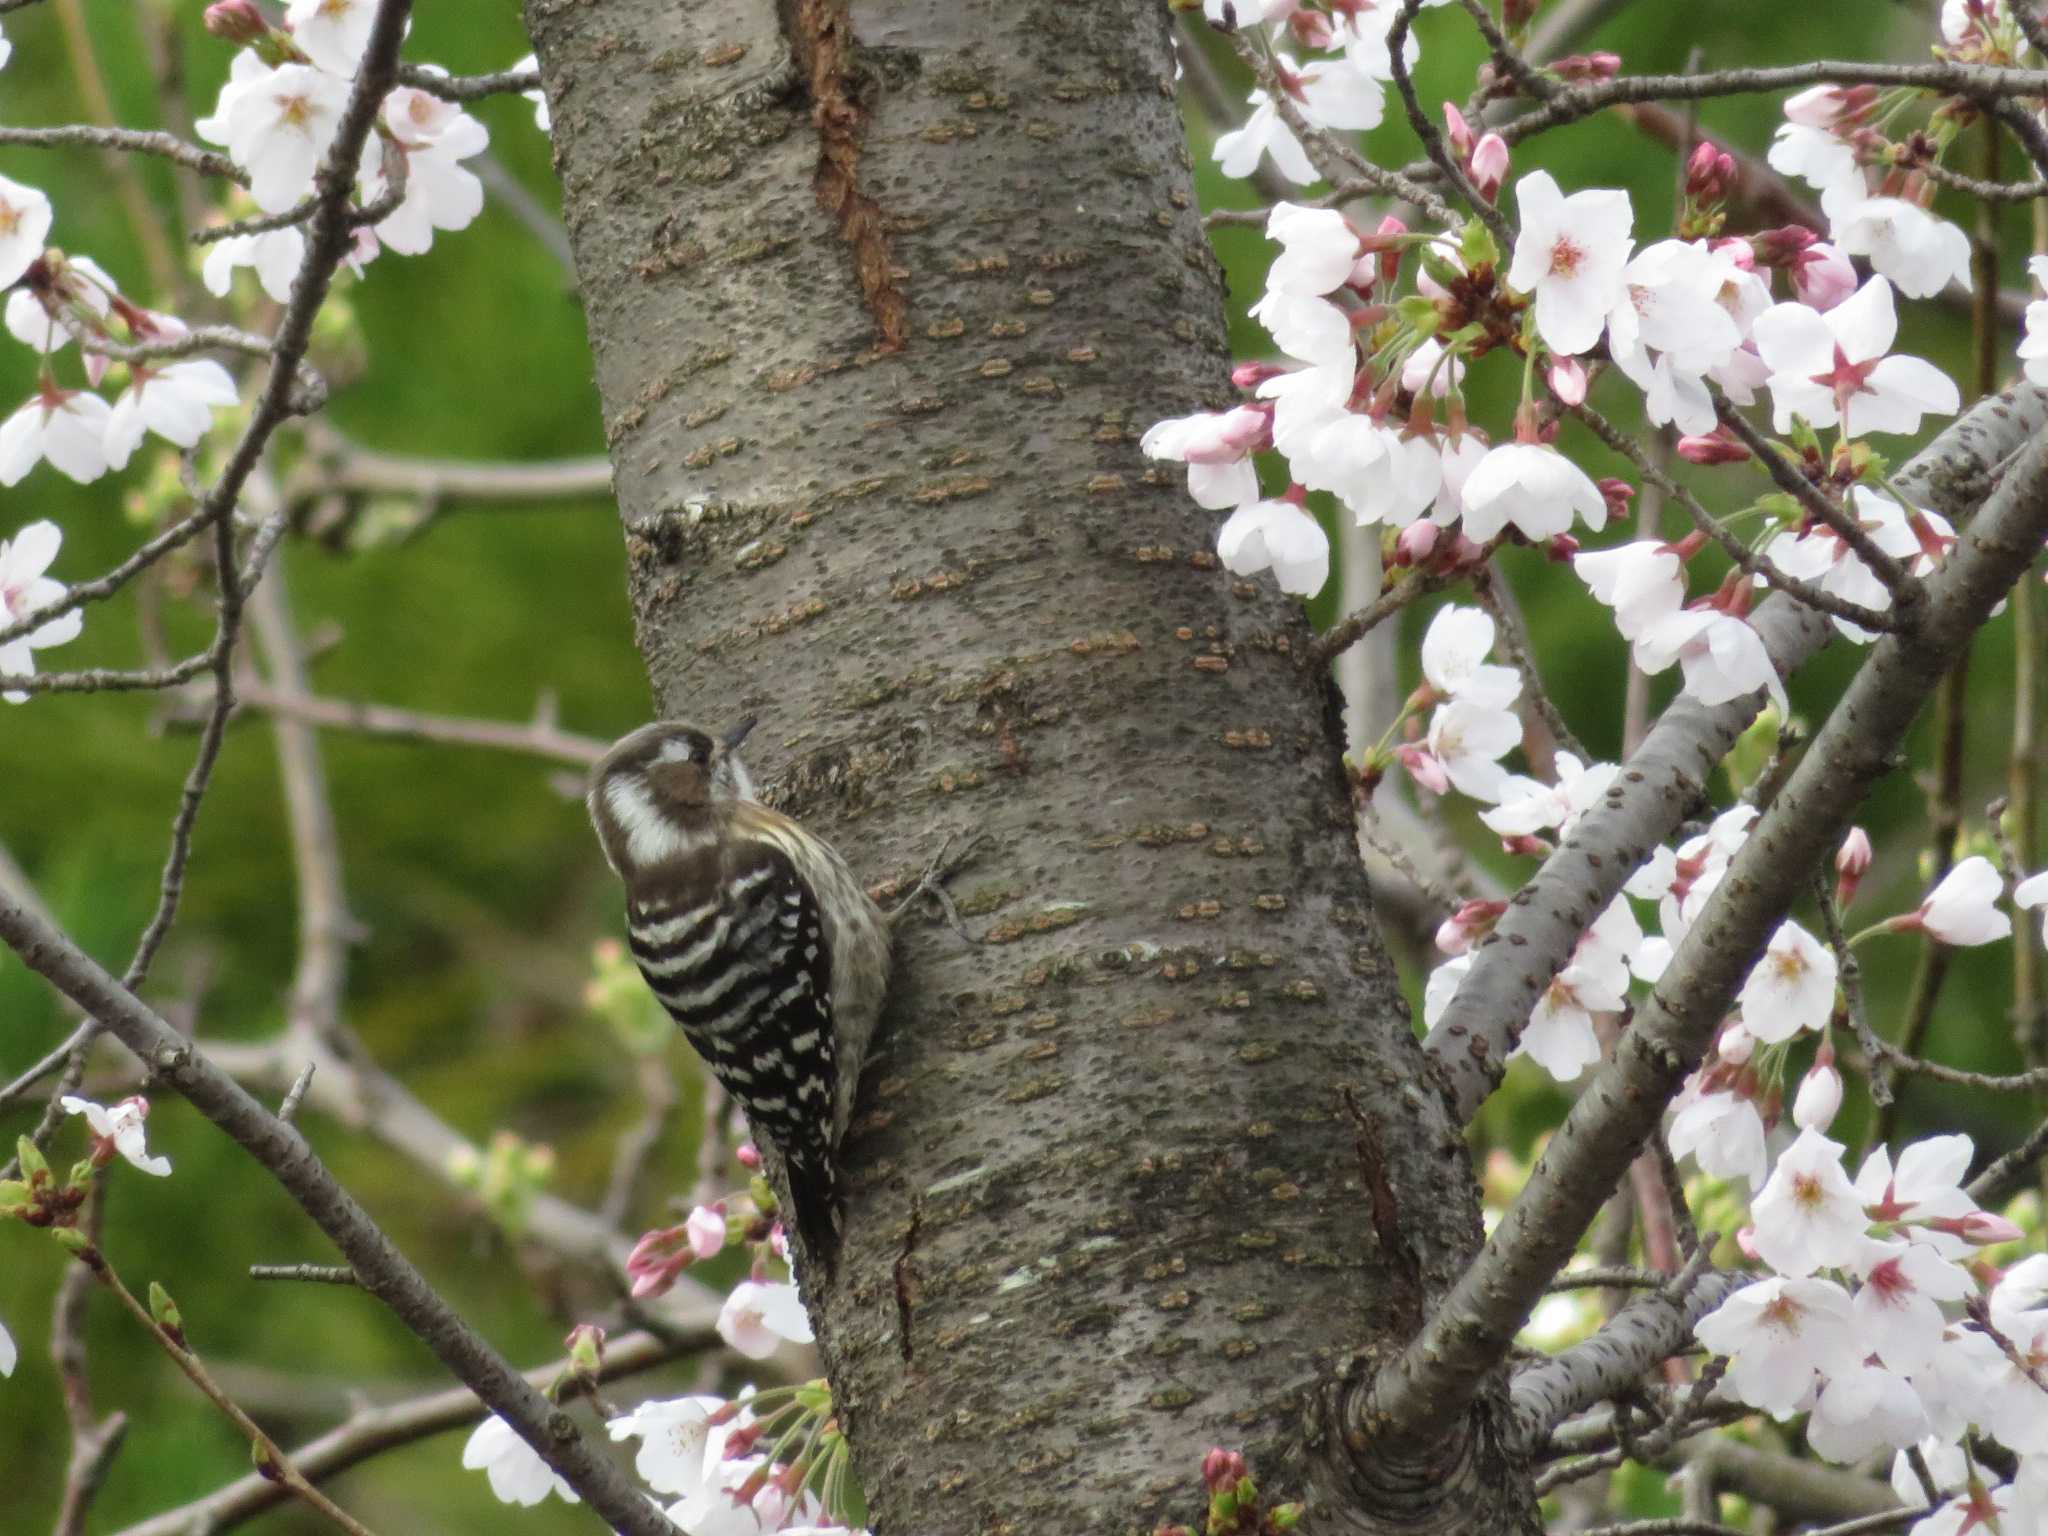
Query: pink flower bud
{"points": [[1852, 862], [656, 1260], [1252, 375], [1580, 68], [1981, 1227], [1714, 447], [1619, 496], [1312, 28], [1736, 1044], [704, 1231], [1489, 165], [1525, 845], [1468, 925], [1561, 549], [1223, 1469], [1820, 1093], [1458, 131], [1567, 376], [1413, 544], [1424, 769], [1746, 1241], [1703, 173], [1779, 247], [235, 21], [749, 1155], [1822, 276]]}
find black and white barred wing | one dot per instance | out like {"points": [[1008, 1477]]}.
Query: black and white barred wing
{"points": [[747, 974]]}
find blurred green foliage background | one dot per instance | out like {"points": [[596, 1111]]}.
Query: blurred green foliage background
{"points": [[479, 890]]}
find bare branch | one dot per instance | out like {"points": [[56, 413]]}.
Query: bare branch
{"points": [[130, 141], [1648, 1330], [468, 87]]}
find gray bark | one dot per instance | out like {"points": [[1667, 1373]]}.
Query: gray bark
{"points": [[1155, 1163]]}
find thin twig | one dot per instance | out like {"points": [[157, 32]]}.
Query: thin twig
{"points": [[268, 1455], [312, 1274], [130, 141], [460, 88], [1352, 628], [1748, 560]]}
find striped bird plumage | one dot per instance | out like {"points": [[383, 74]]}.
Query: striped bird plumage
{"points": [[739, 957]]}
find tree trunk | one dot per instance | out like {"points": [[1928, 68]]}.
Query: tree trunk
{"points": [[880, 305]]}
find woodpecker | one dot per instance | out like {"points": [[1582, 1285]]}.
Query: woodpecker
{"points": [[757, 939]]}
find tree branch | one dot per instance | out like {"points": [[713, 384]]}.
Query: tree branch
{"points": [[1428, 1388], [376, 1430], [1665, 778], [385, 1272]]}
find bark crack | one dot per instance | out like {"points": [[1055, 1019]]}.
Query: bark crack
{"points": [[906, 1279], [821, 32]]}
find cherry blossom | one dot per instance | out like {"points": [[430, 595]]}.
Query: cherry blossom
{"points": [[1335, 92], [24, 226], [1305, 327], [277, 124], [1898, 1304], [24, 590], [1318, 248], [2034, 346], [1641, 581], [758, 1317], [1238, 152], [2030, 893], [1466, 740], [118, 1132], [1722, 1132], [1823, 557], [1777, 1334], [1217, 447], [1920, 253], [1808, 1215], [333, 33], [517, 1474], [1454, 652], [275, 254], [64, 297], [1527, 806], [1569, 256], [1280, 535], [176, 401], [1863, 1409], [1963, 909], [1925, 1187], [1532, 486], [538, 98], [1560, 1036], [8, 1353], [1831, 368], [1792, 987], [1721, 656], [674, 1435], [433, 137], [66, 426]]}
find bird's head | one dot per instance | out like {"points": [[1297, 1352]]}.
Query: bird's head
{"points": [[654, 795]]}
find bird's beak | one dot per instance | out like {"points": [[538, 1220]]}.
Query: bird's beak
{"points": [[738, 733]]}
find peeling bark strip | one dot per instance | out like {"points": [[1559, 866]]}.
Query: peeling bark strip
{"points": [[821, 33]]}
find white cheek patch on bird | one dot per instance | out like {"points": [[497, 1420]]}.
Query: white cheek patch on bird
{"points": [[651, 837]]}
